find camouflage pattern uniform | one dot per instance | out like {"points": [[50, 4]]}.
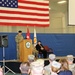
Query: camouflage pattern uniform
{"points": [[72, 68], [18, 39], [34, 51]]}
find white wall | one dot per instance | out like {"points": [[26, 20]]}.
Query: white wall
{"points": [[58, 24]]}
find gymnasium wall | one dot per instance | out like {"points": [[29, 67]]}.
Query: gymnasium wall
{"points": [[62, 44]]}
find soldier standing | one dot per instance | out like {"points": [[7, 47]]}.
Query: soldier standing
{"points": [[18, 39]]}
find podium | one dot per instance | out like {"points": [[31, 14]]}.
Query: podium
{"points": [[25, 47]]}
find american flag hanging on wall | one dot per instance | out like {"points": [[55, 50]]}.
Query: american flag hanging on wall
{"points": [[24, 13]]}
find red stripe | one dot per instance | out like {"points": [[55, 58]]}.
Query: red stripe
{"points": [[33, 2], [27, 19], [26, 13], [21, 24], [33, 8], [23, 13]]}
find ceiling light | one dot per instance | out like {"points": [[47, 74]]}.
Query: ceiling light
{"points": [[61, 2]]}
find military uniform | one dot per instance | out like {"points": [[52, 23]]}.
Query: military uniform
{"points": [[72, 68], [34, 51], [70, 59], [18, 39], [47, 68], [37, 67]]}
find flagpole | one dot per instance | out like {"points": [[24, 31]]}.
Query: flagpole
{"points": [[28, 33], [35, 38]]}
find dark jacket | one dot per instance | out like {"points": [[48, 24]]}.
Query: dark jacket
{"points": [[67, 72], [38, 47]]}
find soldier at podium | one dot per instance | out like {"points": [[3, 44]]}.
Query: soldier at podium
{"points": [[18, 39]]}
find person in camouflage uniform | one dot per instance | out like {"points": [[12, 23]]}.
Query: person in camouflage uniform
{"points": [[52, 57], [34, 51], [18, 39], [70, 59]]}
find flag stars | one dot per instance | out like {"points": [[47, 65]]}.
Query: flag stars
{"points": [[15, 1], [3, 0], [11, 1], [15, 5], [0, 2], [7, 5], [11, 5], [7, 1]]}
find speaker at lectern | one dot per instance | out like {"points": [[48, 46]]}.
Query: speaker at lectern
{"points": [[25, 47]]}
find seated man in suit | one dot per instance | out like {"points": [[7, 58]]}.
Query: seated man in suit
{"points": [[41, 49]]}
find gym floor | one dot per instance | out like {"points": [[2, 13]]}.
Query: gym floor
{"points": [[12, 73]]}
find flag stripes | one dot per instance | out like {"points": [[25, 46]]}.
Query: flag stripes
{"points": [[28, 13]]}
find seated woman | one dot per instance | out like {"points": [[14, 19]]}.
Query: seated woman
{"points": [[64, 68]]}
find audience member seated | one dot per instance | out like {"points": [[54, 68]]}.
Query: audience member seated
{"points": [[25, 68], [70, 59], [55, 67], [40, 48], [64, 70], [1, 71], [31, 58], [37, 67], [52, 57]]}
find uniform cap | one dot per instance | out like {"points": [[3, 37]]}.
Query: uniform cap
{"points": [[70, 57], [56, 64], [31, 57], [52, 56]]}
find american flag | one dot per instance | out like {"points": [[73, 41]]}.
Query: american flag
{"points": [[24, 13]]}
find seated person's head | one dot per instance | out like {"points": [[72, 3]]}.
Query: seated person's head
{"points": [[37, 67], [52, 57], [70, 59], [64, 64], [55, 66], [24, 67], [25, 64], [31, 58], [39, 42]]}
